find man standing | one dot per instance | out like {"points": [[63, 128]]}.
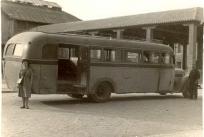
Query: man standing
{"points": [[193, 82]]}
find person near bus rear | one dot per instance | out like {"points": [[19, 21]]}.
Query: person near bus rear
{"points": [[193, 82], [25, 84]]}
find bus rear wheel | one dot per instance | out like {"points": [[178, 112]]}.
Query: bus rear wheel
{"points": [[78, 96], [102, 92]]}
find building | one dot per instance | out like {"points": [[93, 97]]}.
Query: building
{"points": [[21, 15], [183, 27]]}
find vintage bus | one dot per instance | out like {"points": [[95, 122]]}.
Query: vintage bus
{"points": [[94, 66]]}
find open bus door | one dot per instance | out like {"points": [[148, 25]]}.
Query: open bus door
{"points": [[72, 60]]}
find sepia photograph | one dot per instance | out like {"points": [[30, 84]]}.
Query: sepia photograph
{"points": [[102, 68]]}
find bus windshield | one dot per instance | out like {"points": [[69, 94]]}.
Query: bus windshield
{"points": [[15, 50]]}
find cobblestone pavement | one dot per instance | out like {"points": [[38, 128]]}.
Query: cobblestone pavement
{"points": [[132, 115]]}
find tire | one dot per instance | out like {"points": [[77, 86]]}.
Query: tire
{"points": [[78, 96], [102, 93]]}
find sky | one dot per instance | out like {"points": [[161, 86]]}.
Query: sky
{"points": [[97, 9]]}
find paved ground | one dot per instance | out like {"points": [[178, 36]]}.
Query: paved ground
{"points": [[133, 115]]}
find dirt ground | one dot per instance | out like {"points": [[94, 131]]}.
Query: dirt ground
{"points": [[132, 115]]}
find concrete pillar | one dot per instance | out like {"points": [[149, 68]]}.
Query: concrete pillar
{"points": [[200, 47], [149, 32], [184, 57], [119, 33], [191, 47]]}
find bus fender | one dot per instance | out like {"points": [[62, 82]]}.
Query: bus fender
{"points": [[183, 84]]}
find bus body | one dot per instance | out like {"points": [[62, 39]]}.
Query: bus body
{"points": [[85, 65]]}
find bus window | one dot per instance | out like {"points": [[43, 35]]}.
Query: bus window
{"points": [[95, 54], [155, 58], [132, 57], [18, 51], [150, 57], [63, 53], [74, 55], [146, 57], [9, 50], [109, 55], [49, 51], [68, 53], [166, 58]]}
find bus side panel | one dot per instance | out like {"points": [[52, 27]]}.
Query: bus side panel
{"points": [[166, 79], [104, 73], [48, 79], [127, 79], [36, 78], [11, 74], [148, 79]]}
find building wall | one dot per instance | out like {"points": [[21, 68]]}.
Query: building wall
{"points": [[7, 26], [11, 27], [178, 52], [21, 26]]}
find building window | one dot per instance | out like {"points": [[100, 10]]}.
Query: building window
{"points": [[109, 55], [179, 49], [178, 65]]}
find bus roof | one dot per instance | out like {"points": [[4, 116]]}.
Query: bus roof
{"points": [[85, 40]]}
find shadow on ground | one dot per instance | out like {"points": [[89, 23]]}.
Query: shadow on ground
{"points": [[113, 99]]}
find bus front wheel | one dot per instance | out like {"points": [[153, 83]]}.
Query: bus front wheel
{"points": [[102, 92]]}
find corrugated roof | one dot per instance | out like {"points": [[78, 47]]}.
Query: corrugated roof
{"points": [[37, 2], [32, 13], [172, 16]]}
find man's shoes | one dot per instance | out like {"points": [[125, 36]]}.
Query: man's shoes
{"points": [[22, 107], [27, 107]]}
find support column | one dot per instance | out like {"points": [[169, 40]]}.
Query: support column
{"points": [[119, 33], [200, 47], [149, 33], [191, 47], [184, 57]]}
